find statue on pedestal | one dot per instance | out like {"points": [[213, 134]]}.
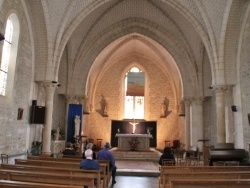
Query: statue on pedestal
{"points": [[163, 110], [57, 134], [77, 125]]}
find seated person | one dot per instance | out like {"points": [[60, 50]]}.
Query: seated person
{"points": [[167, 155], [69, 149], [89, 163], [105, 154], [89, 146]]}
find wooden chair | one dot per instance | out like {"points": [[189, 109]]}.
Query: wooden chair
{"points": [[98, 143], [4, 158], [192, 152], [168, 162]]}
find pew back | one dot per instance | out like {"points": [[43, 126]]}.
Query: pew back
{"points": [[68, 171], [44, 177], [22, 184]]}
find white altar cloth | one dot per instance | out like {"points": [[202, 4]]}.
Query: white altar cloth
{"points": [[143, 139]]}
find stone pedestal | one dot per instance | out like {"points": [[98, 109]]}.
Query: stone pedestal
{"points": [[57, 146]]}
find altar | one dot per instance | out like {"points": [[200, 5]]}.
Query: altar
{"points": [[125, 139]]}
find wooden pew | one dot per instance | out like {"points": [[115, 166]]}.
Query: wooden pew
{"points": [[22, 184], [169, 172], [62, 164], [45, 177], [74, 160], [68, 171], [166, 169], [208, 183]]}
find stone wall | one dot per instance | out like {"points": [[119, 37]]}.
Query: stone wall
{"points": [[14, 134], [158, 87]]}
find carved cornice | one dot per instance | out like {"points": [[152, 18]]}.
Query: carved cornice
{"points": [[219, 89]]}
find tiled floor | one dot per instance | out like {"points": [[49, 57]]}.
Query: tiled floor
{"points": [[136, 174], [135, 182], [141, 168]]}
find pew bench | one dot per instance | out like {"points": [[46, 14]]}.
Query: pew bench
{"points": [[68, 171], [168, 176], [208, 183], [44, 177], [62, 164], [166, 169], [22, 184], [73, 160]]}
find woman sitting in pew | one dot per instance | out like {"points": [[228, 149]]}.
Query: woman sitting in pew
{"points": [[89, 147], [167, 157], [69, 149]]}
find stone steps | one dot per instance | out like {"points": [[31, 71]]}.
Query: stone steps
{"points": [[151, 155]]}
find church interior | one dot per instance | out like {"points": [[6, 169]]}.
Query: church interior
{"points": [[156, 72]]}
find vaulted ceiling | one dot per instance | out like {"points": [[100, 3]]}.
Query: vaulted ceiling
{"points": [[185, 37]]}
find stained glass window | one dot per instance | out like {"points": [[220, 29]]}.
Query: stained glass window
{"points": [[134, 94], [6, 56]]}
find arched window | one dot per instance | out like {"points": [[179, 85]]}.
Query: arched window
{"points": [[9, 54], [134, 94]]}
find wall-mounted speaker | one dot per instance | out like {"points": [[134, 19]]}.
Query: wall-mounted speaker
{"points": [[37, 114], [234, 108], [1, 37], [34, 102]]}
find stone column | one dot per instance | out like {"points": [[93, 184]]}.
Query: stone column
{"points": [[49, 91], [229, 116], [220, 113], [197, 132], [187, 123], [200, 136]]}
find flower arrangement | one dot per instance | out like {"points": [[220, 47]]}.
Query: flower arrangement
{"points": [[133, 143]]}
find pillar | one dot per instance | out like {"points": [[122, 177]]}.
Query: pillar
{"points": [[197, 131], [49, 96], [220, 113], [229, 116], [187, 123]]}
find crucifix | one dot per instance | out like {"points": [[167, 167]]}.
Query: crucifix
{"points": [[134, 125]]}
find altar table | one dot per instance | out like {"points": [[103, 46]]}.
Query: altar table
{"points": [[143, 139]]}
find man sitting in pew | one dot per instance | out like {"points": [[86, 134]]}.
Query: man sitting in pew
{"points": [[105, 154], [89, 163]]}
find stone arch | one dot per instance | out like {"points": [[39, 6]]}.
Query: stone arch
{"points": [[198, 27], [175, 50]]}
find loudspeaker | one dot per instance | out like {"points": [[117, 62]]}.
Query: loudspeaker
{"points": [[1, 37], [234, 108], [34, 102], [37, 114]]}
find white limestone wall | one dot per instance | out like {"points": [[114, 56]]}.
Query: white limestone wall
{"points": [[159, 87], [244, 72], [14, 134]]}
